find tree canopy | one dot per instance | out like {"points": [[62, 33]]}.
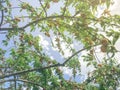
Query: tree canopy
{"points": [[26, 62]]}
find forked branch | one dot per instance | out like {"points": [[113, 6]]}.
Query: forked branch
{"points": [[43, 68]]}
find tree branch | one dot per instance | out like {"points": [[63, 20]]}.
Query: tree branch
{"points": [[73, 55], [7, 29], [42, 68], [12, 80], [3, 32], [46, 18], [36, 21], [30, 70], [2, 12]]}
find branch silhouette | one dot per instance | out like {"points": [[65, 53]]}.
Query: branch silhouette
{"points": [[36, 21], [43, 68], [21, 80], [2, 17], [48, 18]]}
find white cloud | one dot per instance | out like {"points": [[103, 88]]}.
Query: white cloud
{"points": [[67, 71], [115, 8], [44, 43], [66, 50], [117, 46]]}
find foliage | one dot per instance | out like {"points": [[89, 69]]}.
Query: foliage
{"points": [[27, 63]]}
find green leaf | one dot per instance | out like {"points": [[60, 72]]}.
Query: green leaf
{"points": [[115, 38], [5, 42], [35, 88]]}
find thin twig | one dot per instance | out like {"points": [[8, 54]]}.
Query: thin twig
{"points": [[20, 1], [96, 57], [2, 12], [64, 9], [15, 7], [7, 29], [21, 80], [74, 55], [43, 8], [15, 83]]}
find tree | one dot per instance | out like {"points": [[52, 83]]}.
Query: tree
{"points": [[26, 62]]}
